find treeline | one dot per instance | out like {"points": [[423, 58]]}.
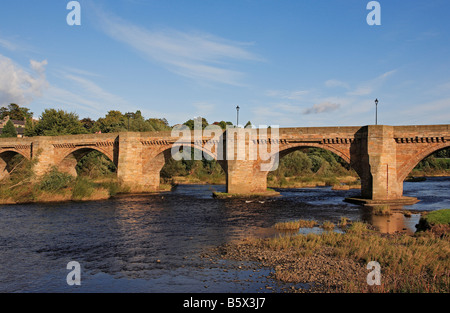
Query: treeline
{"points": [[58, 122]]}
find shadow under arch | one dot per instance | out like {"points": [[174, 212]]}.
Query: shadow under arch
{"points": [[8, 161], [69, 161], [304, 146], [407, 167], [152, 167]]}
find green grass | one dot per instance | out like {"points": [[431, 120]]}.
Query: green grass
{"points": [[438, 217], [437, 221]]}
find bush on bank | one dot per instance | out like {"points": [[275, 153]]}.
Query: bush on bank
{"points": [[21, 186]]}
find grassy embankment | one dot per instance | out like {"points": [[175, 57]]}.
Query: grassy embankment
{"points": [[336, 262], [22, 185], [56, 187]]}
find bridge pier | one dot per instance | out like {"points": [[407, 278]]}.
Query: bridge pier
{"points": [[42, 150], [129, 169], [245, 177], [378, 167], [138, 168]]}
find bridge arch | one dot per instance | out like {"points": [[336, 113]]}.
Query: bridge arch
{"points": [[6, 159], [412, 162], [342, 154], [154, 162], [68, 160]]}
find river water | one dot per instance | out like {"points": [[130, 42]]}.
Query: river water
{"points": [[153, 243]]}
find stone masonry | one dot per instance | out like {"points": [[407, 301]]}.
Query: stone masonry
{"points": [[382, 155]]}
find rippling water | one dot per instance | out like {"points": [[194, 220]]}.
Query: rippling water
{"points": [[153, 243]]}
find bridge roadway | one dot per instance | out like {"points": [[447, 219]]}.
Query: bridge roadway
{"points": [[382, 155]]}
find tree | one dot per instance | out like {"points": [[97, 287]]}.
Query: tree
{"points": [[249, 124], [191, 123], [89, 125], [159, 124], [15, 112], [113, 122], [9, 130], [58, 122], [223, 124], [29, 128], [138, 123]]}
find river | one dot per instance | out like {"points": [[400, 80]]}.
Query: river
{"points": [[153, 243]]}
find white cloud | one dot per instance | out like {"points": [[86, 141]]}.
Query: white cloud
{"points": [[38, 67], [18, 85], [195, 55]]}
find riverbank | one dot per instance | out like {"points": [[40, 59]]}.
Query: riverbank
{"points": [[60, 187], [336, 262]]}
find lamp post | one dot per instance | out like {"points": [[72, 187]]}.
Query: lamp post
{"points": [[237, 109], [376, 111]]}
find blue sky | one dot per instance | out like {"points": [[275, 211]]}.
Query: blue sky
{"points": [[284, 62]]}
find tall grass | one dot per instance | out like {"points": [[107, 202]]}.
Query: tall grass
{"points": [[295, 225], [414, 264]]}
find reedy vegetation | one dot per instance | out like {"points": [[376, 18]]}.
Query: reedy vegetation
{"points": [[418, 263]]}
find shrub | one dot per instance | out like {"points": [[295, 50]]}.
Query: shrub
{"points": [[55, 181], [83, 188]]}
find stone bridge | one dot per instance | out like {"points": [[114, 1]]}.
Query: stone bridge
{"points": [[382, 155]]}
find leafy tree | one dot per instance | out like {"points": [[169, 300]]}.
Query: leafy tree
{"points": [[15, 112], [138, 123], [159, 124], [58, 122], [90, 125], [223, 124], [113, 122], [9, 130], [249, 124], [95, 164], [29, 128], [191, 123]]}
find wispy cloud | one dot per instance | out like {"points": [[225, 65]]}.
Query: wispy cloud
{"points": [[336, 83], [78, 92], [368, 87], [204, 108], [288, 94], [19, 85], [8, 45], [196, 55]]}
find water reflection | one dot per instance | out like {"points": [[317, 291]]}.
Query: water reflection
{"points": [[393, 220]]}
